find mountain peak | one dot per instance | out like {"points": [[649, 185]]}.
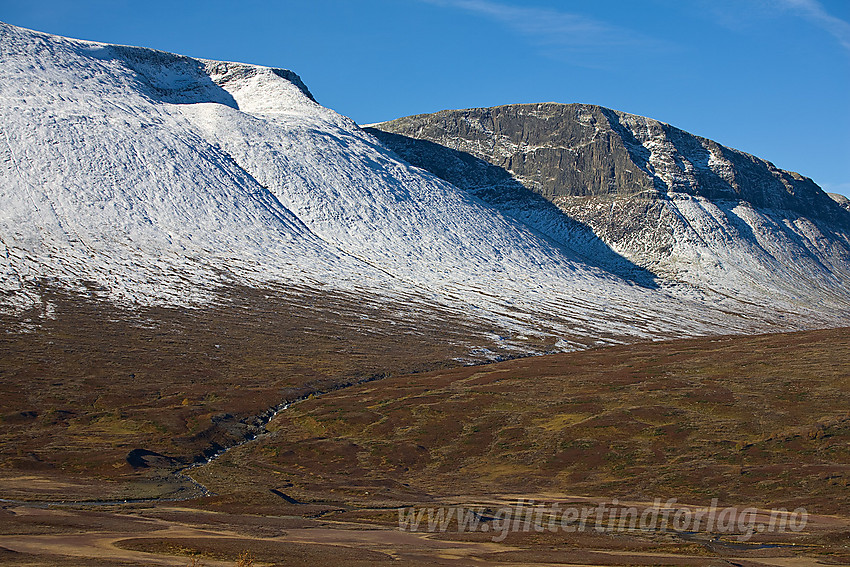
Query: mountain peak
{"points": [[141, 177], [564, 150], [679, 206], [176, 79]]}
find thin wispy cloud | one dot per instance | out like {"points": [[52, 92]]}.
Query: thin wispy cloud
{"points": [[555, 28], [815, 13]]}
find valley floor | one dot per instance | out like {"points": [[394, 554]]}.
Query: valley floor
{"points": [[191, 534], [394, 421]]}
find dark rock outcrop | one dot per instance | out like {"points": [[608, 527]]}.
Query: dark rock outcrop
{"points": [[566, 150]]}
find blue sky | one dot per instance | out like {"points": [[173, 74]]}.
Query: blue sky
{"points": [[770, 77]]}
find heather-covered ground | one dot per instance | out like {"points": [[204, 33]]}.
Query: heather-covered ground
{"points": [[757, 421]]}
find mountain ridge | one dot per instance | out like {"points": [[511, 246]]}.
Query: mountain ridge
{"points": [[142, 177], [482, 119], [680, 206]]}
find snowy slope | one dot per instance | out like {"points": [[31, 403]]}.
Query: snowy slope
{"points": [[145, 177], [103, 183], [699, 217]]}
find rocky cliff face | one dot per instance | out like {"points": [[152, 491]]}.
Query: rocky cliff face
{"points": [[553, 149], [560, 150], [682, 207]]}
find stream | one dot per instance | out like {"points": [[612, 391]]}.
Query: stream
{"points": [[182, 473], [259, 422]]}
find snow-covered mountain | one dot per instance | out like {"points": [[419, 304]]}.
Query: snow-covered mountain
{"points": [[143, 177], [683, 208]]}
